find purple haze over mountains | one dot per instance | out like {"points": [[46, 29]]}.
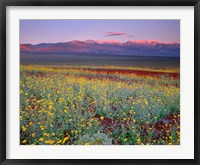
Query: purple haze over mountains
{"points": [[110, 47]]}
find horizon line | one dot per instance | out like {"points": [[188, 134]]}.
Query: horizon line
{"points": [[116, 41]]}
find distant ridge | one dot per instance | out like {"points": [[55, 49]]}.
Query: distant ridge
{"points": [[107, 47]]}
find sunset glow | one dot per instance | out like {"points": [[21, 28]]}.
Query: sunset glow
{"points": [[52, 31]]}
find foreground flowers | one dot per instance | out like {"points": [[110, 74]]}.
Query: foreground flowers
{"points": [[63, 105]]}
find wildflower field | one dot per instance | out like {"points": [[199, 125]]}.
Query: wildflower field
{"points": [[96, 105]]}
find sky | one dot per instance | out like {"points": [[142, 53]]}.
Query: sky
{"points": [[52, 31]]}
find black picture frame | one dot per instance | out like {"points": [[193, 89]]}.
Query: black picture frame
{"points": [[5, 3]]}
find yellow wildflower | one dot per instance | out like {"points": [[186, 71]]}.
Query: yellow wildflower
{"points": [[24, 141], [23, 128], [40, 139], [101, 117]]}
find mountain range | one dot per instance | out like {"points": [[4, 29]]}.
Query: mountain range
{"points": [[110, 47]]}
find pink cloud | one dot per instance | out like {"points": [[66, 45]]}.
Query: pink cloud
{"points": [[114, 33]]}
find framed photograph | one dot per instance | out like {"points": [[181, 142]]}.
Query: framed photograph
{"points": [[99, 82]]}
